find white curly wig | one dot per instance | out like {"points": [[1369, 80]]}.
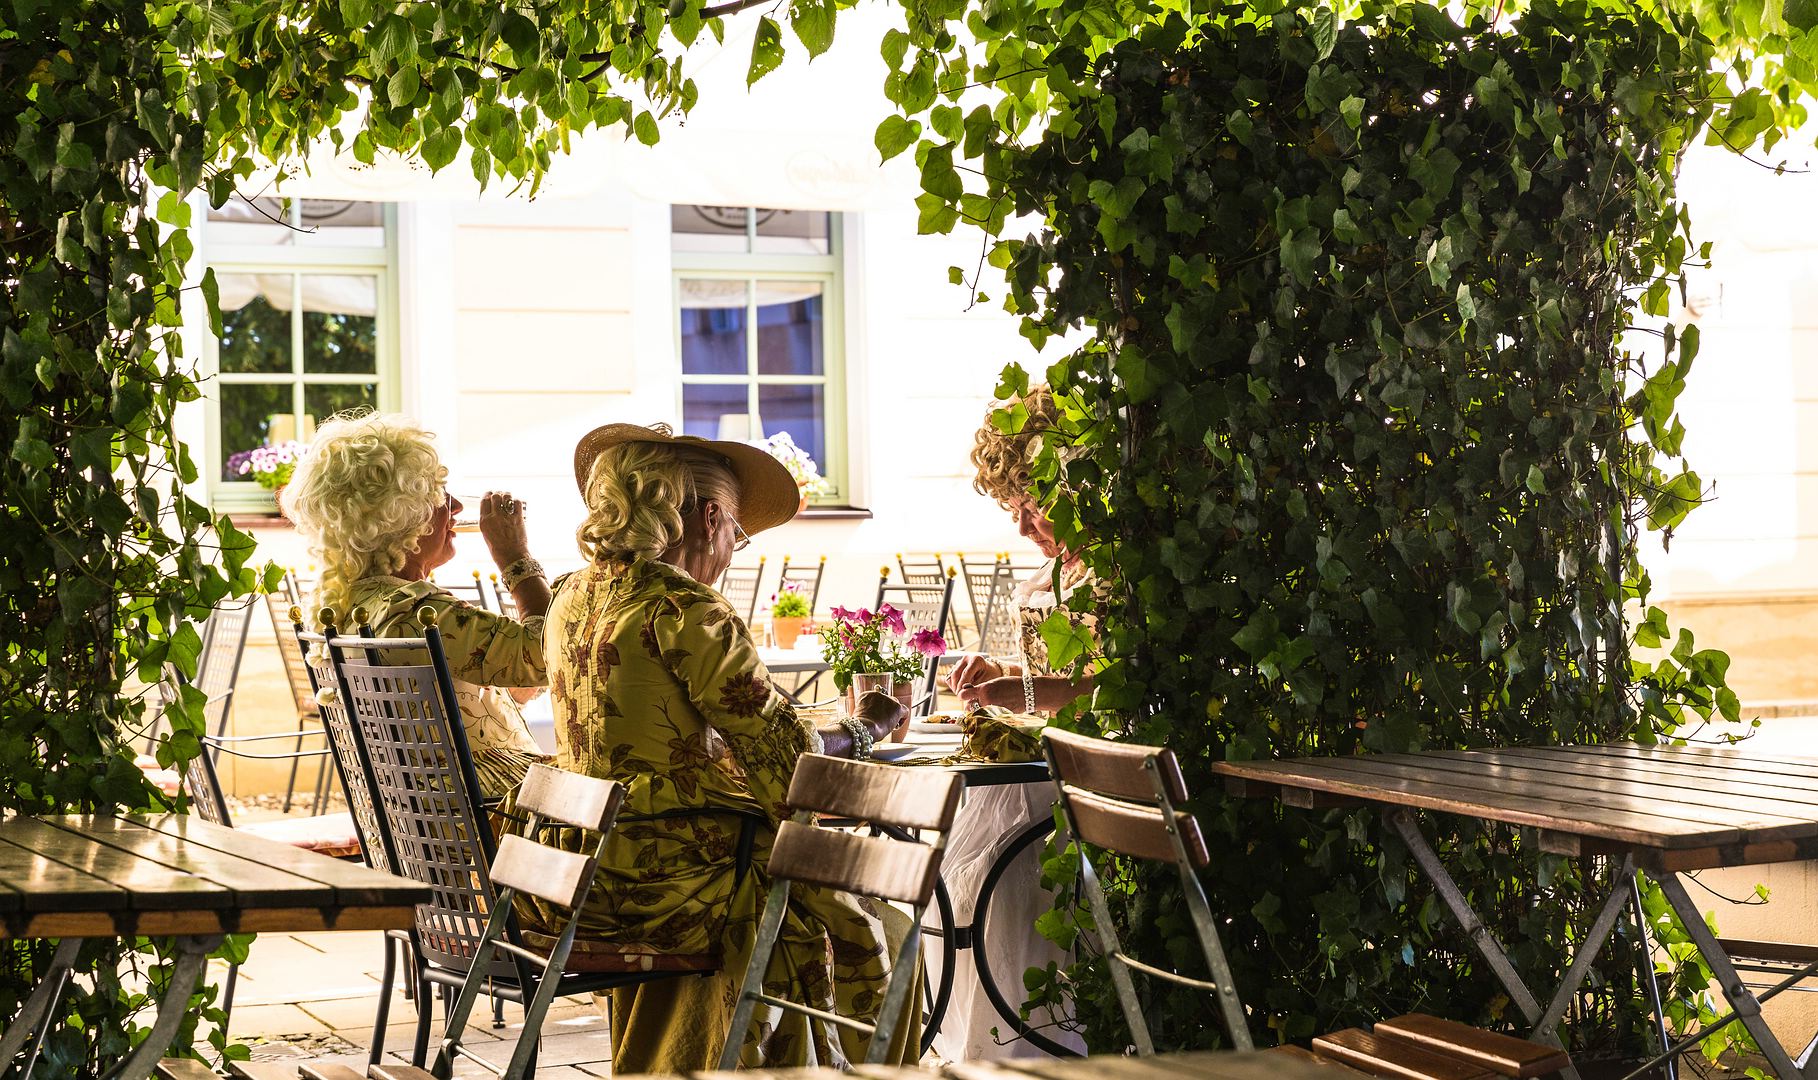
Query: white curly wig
{"points": [[362, 497]]}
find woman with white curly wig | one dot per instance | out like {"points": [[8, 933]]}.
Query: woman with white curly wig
{"points": [[370, 497]]}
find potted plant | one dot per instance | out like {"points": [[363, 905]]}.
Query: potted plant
{"points": [[873, 650], [789, 614], [807, 475]]}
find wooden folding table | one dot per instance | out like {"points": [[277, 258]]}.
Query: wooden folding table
{"points": [[78, 876], [1662, 810]]}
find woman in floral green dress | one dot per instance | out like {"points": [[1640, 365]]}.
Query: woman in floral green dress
{"points": [[369, 497], [657, 684]]}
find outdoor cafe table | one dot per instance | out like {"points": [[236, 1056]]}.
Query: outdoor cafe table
{"points": [[930, 752], [169, 875], [1661, 810]]}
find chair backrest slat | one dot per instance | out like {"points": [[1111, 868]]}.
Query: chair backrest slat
{"points": [[921, 569], [881, 794], [560, 877], [739, 585], [1113, 768], [808, 577], [871, 865], [203, 785], [1138, 831], [570, 798], [296, 670], [218, 671]]}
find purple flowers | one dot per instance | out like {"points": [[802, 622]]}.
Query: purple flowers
{"points": [[270, 464]]}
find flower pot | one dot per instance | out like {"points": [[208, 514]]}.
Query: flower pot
{"points": [[786, 628], [803, 505], [863, 682]]}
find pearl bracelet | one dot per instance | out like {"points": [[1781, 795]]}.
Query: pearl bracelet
{"points": [[862, 739], [1028, 692]]}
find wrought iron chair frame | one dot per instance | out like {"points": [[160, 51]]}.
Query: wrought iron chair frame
{"points": [[928, 690], [729, 584]]}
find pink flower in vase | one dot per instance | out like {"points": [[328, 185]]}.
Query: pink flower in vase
{"points": [[927, 642]]}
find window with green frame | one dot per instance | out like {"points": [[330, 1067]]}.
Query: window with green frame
{"points": [[758, 325], [308, 328]]}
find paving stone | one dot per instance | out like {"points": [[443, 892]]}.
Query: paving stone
{"points": [[279, 1018]]}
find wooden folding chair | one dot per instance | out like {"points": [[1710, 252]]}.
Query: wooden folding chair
{"points": [[1122, 797], [525, 864], [900, 870]]}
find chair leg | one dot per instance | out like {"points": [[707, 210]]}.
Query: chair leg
{"points": [[424, 1006], [382, 1015], [498, 1013], [227, 995], [290, 787]]}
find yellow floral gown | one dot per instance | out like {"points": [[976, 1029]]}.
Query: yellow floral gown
{"points": [[657, 684], [486, 651]]}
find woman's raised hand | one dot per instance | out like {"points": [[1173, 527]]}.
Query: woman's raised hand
{"points": [[972, 669], [502, 526], [1005, 692]]}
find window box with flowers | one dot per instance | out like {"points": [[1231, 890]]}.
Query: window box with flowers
{"points": [[268, 464]]}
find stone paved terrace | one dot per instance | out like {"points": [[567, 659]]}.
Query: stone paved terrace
{"points": [[312, 996]]}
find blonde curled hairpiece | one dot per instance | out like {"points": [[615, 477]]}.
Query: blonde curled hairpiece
{"points": [[1003, 460], [637, 493], [362, 496]]}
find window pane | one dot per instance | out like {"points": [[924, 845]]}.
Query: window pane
{"points": [[716, 412], [339, 326], [713, 327], [251, 415], [802, 412], [708, 228], [789, 328], [794, 232], [321, 402], [255, 322]]}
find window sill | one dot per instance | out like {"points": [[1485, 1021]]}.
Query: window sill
{"points": [[834, 513], [254, 521]]}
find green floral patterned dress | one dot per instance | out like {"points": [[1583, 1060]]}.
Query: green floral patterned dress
{"points": [[656, 683], [486, 652]]}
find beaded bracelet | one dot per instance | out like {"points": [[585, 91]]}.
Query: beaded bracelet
{"points": [[516, 572], [862, 738], [1028, 692]]}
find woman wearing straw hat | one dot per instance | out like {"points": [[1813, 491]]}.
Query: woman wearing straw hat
{"points": [[656, 683]]}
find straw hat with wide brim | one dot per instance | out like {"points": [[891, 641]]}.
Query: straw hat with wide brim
{"points": [[768, 495]]}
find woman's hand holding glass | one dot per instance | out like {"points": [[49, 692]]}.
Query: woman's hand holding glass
{"points": [[502, 526]]}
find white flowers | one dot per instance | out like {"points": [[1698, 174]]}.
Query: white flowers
{"points": [[802, 469]]}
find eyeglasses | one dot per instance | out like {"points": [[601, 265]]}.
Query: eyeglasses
{"points": [[740, 541]]}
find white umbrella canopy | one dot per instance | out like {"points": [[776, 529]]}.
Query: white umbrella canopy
{"points": [[800, 139]]}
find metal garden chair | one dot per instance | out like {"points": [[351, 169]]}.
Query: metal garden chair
{"points": [[739, 585], [399, 694], [903, 871], [924, 607], [302, 692], [1000, 631], [921, 569], [1122, 797], [474, 592], [808, 577], [503, 602]]}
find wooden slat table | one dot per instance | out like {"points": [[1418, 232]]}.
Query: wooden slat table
{"points": [[1663, 810], [78, 876]]}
